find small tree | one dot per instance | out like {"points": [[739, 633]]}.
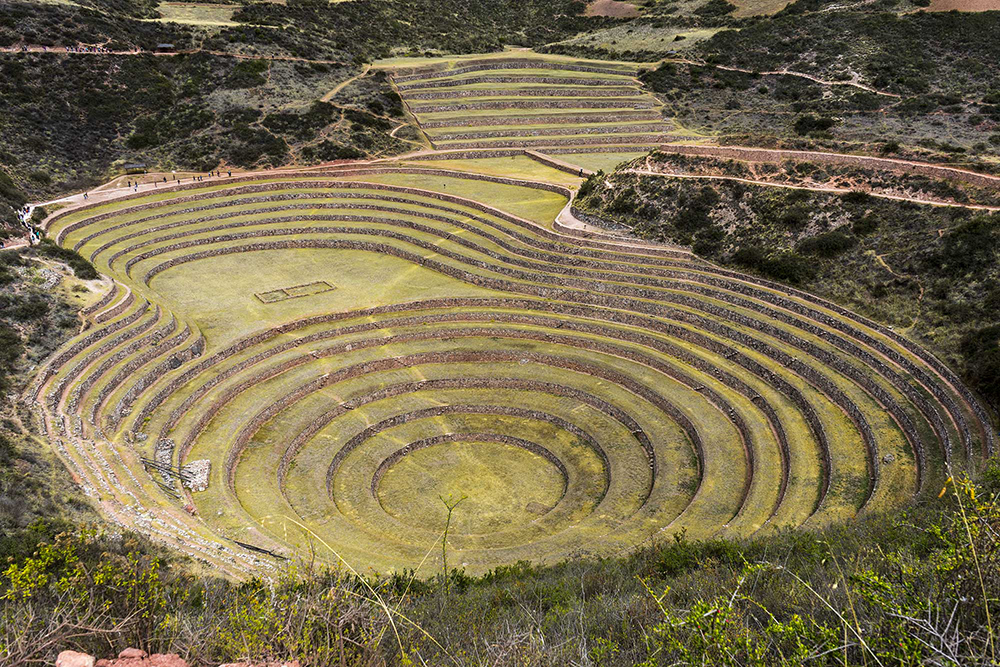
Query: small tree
{"points": [[450, 503]]}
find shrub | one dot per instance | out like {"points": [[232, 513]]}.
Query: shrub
{"points": [[827, 245], [23, 308], [40, 177], [751, 257], [247, 74], [715, 9], [812, 123], [981, 353], [81, 267], [794, 217], [790, 268], [865, 226], [968, 248]]}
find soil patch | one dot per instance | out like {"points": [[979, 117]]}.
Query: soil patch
{"points": [[619, 9], [964, 5]]}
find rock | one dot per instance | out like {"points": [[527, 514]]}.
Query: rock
{"points": [[137, 653], [74, 659], [164, 660], [133, 657]]}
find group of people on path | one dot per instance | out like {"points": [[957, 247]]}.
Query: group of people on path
{"points": [[24, 214], [78, 49], [87, 49], [24, 217], [134, 185]]}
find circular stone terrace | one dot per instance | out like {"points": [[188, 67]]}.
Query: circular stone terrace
{"points": [[317, 360]]}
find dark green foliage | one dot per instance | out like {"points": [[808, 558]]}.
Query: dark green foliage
{"points": [[752, 257], [589, 185], [368, 29], [23, 307], [328, 151], [78, 115], [301, 126], [250, 146], [715, 9], [934, 270], [110, 22], [794, 217], [81, 267], [775, 600], [373, 94], [12, 199], [981, 353], [10, 351], [693, 214], [10, 192], [810, 123], [784, 266], [865, 226], [682, 556], [33, 484], [247, 74], [828, 245], [910, 54], [969, 249]]}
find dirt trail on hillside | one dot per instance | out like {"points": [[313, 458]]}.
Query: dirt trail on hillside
{"points": [[343, 84], [815, 188], [61, 50], [854, 83], [778, 155]]}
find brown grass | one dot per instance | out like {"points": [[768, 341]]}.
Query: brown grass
{"points": [[964, 5], [615, 8]]}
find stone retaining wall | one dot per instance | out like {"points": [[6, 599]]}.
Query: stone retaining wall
{"points": [[543, 119], [607, 300], [522, 92], [554, 131], [100, 348], [583, 142], [499, 105], [137, 343], [116, 310], [126, 370], [74, 349], [406, 88], [426, 74]]}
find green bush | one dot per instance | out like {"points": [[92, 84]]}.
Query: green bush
{"points": [[715, 9], [81, 267], [812, 123], [248, 74], [828, 245]]}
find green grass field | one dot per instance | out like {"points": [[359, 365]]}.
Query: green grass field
{"points": [[197, 14]]}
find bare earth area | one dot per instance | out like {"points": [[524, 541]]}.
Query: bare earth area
{"points": [[614, 8], [964, 5]]}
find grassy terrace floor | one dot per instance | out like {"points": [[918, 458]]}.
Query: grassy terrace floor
{"points": [[325, 354], [520, 99]]}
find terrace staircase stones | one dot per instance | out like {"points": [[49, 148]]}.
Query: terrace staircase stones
{"points": [[532, 103]]}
